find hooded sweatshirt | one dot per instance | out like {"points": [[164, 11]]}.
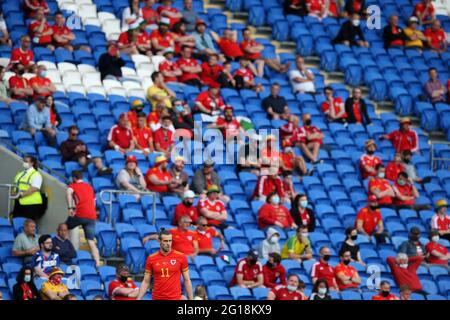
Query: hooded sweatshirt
{"points": [[268, 247]]}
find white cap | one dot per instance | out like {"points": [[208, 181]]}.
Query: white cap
{"points": [[189, 194], [165, 21]]}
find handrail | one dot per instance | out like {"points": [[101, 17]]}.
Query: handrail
{"points": [[10, 195], [110, 201], [433, 159]]}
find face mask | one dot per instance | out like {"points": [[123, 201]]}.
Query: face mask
{"points": [[305, 235], [123, 278], [401, 182], [407, 160], [322, 291], [179, 108], [27, 278], [201, 232], [354, 237], [26, 165], [274, 239], [188, 204], [371, 152], [385, 293], [373, 208], [381, 175], [414, 237], [346, 262], [307, 122], [356, 23], [403, 265], [276, 200], [21, 71], [291, 288], [253, 261], [435, 239], [304, 203], [43, 74], [326, 257]]}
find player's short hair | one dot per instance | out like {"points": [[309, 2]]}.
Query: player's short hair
{"points": [[163, 232]]}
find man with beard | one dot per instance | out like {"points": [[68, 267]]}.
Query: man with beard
{"points": [[248, 272], [186, 208], [180, 176], [45, 259], [369, 161], [273, 271], [162, 38], [228, 125], [159, 179]]}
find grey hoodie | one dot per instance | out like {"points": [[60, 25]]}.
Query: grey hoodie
{"points": [[267, 246]]}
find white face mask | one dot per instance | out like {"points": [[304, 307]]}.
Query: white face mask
{"points": [[291, 288], [27, 278], [26, 165], [381, 175], [435, 239], [274, 239], [356, 23], [305, 235], [403, 265], [322, 291]]}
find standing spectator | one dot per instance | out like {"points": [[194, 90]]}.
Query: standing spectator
{"points": [[164, 137], [380, 187], [441, 221], [26, 243], [310, 138], [143, 137], [159, 92], [204, 42], [73, 149], [302, 215], [434, 88], [37, 118], [62, 245], [190, 68], [211, 70], [200, 291], [181, 116], [272, 213], [181, 37], [25, 289], [351, 235], [333, 107], [150, 16], [436, 37], [110, 63], [131, 178], [404, 270], [228, 44], [385, 292], [213, 209], [275, 105], [368, 162], [120, 137], [302, 79], [245, 78], [209, 102], [425, 13], [62, 35], [23, 54], [323, 270], [159, 179], [167, 11], [45, 259], [82, 212], [19, 87], [347, 276], [393, 168], [270, 244], [169, 68], [123, 287], [369, 221], [181, 176], [415, 39], [189, 15], [248, 272], [274, 272], [205, 237], [54, 288], [268, 184], [355, 6], [40, 31], [405, 292], [436, 254], [320, 290], [4, 92], [131, 14], [298, 247], [393, 35], [356, 109], [186, 208], [404, 138], [162, 38], [55, 118], [351, 33], [405, 192], [206, 177], [4, 35], [291, 291]]}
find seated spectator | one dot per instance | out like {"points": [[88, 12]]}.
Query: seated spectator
{"points": [[32, 6], [213, 208], [190, 68], [62, 245], [162, 38], [186, 208], [24, 288], [23, 55], [100, 169], [393, 35], [270, 244], [302, 215], [436, 253], [405, 292], [337, 112], [410, 169], [228, 125], [394, 167], [380, 187], [441, 221], [270, 158], [369, 222], [190, 16], [131, 40], [226, 79], [131, 13], [40, 31], [4, 35], [70, 296], [204, 42], [123, 287], [322, 9], [228, 44], [368, 162], [166, 10], [55, 118], [131, 177], [249, 156], [351, 235], [150, 16], [356, 109], [323, 269], [434, 88], [205, 237], [320, 291], [405, 192], [274, 272], [181, 37], [209, 102], [4, 92], [159, 92], [143, 40], [110, 63], [180, 176], [19, 87], [355, 6], [298, 247], [436, 37], [26, 243], [74, 149], [42, 86], [54, 288], [347, 276], [181, 116], [290, 291], [37, 118], [249, 272], [289, 132], [245, 78], [295, 7], [403, 139], [169, 68], [404, 271], [351, 33], [164, 137], [425, 13], [267, 184], [291, 163], [45, 259], [143, 136], [211, 70], [301, 78], [200, 291], [275, 105], [310, 139], [272, 213], [120, 137], [385, 292], [63, 36], [159, 179], [415, 39], [206, 177]]}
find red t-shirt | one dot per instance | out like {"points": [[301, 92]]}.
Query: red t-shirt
{"points": [[404, 140], [143, 38], [282, 293], [163, 40], [437, 38], [393, 169], [391, 296], [153, 117], [230, 48], [370, 219], [143, 135], [398, 42], [231, 128], [420, 8], [166, 271], [172, 20], [338, 105], [160, 175], [60, 31], [348, 271], [186, 76], [40, 82], [370, 161], [432, 246], [84, 197], [249, 272], [35, 3], [210, 74], [42, 39], [18, 83], [164, 138], [406, 190], [381, 185], [288, 160], [303, 131], [205, 240], [123, 39], [132, 119], [150, 15], [265, 185], [216, 206], [357, 111], [209, 102], [246, 74], [116, 284], [183, 241], [120, 136], [169, 66], [441, 224], [321, 270], [245, 45], [182, 210], [271, 275], [24, 58], [269, 214], [315, 6]]}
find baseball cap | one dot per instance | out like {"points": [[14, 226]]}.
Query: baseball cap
{"points": [[54, 271], [188, 194], [252, 253], [160, 159], [40, 99], [209, 162], [137, 103], [413, 20], [214, 85], [131, 159], [372, 198], [179, 158], [441, 203], [369, 143], [200, 22], [213, 188], [122, 115], [405, 120], [168, 50], [414, 230], [228, 107]]}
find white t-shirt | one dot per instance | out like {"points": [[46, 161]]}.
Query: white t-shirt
{"points": [[302, 86], [3, 25]]}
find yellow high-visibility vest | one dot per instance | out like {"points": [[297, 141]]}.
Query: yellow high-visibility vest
{"points": [[23, 181]]}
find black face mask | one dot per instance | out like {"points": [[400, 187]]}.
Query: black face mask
{"points": [[373, 208], [228, 119], [406, 160], [307, 122], [188, 204], [371, 152], [385, 293], [354, 237], [414, 238], [123, 278], [270, 265], [253, 261], [346, 262], [326, 257]]}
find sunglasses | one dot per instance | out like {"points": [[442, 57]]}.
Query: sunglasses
{"points": [[202, 225]]}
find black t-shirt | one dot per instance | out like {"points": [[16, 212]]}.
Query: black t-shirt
{"points": [[315, 296], [276, 103], [353, 250]]}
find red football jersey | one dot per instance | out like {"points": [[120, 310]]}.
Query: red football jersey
{"points": [[116, 284], [249, 272], [369, 161], [183, 241], [282, 293], [216, 206], [24, 58], [370, 219]]}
